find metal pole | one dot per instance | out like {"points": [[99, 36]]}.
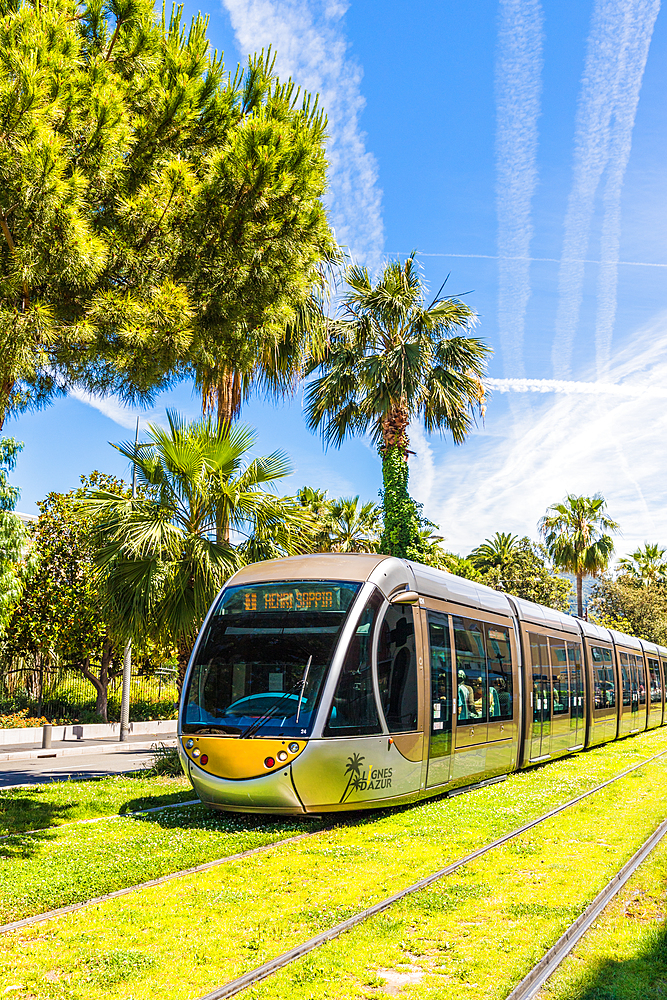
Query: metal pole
{"points": [[127, 653]]}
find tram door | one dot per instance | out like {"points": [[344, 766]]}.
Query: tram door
{"points": [[642, 695], [630, 709], [540, 697], [654, 693], [440, 744], [560, 696], [577, 718]]}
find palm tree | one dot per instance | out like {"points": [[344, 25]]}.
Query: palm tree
{"points": [[494, 551], [390, 359], [646, 565], [167, 552], [318, 504], [575, 536], [355, 528]]}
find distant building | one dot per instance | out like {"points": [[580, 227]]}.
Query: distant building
{"points": [[26, 518]]}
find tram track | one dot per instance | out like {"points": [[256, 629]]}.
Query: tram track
{"points": [[264, 971], [261, 972], [253, 976], [533, 981], [99, 819]]}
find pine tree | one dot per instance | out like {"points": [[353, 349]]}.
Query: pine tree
{"points": [[158, 219]]}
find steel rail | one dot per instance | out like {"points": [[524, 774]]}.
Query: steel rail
{"points": [[241, 983], [39, 918], [309, 946], [99, 819], [544, 969]]}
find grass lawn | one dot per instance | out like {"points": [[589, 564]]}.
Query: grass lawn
{"points": [[473, 934], [40, 806], [65, 864], [624, 956]]}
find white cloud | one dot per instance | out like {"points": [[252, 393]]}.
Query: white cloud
{"points": [[582, 442], [518, 91], [570, 388], [114, 409], [615, 58], [309, 39]]}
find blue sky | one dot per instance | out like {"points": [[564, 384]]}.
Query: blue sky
{"points": [[520, 146]]}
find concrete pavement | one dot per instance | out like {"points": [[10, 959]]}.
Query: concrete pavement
{"points": [[76, 768], [85, 756]]}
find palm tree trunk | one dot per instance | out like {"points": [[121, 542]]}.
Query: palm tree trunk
{"points": [[580, 595], [401, 521], [183, 659], [401, 524], [394, 429]]}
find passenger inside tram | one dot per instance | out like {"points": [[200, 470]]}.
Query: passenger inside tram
{"points": [[466, 698]]}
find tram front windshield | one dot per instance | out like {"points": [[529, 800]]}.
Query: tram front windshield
{"points": [[261, 665]]}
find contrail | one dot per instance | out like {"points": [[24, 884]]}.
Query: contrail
{"points": [[569, 388], [546, 260], [308, 38], [607, 42], [518, 92], [625, 109]]}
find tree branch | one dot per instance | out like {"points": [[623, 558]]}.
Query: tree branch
{"points": [[12, 248]]}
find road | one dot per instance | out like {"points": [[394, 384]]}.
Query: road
{"points": [[79, 767]]}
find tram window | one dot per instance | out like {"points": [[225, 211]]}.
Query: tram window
{"points": [[471, 669], [604, 685], [353, 709], [397, 670], [441, 684], [559, 680], [654, 680], [499, 660], [265, 657]]}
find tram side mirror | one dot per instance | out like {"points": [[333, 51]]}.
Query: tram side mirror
{"points": [[405, 597]]}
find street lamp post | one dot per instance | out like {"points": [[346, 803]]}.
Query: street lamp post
{"points": [[127, 653]]}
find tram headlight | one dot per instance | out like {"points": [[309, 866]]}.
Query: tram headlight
{"points": [[269, 762], [293, 748], [189, 745], [282, 755], [195, 753]]}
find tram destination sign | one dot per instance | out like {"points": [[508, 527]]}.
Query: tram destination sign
{"points": [[314, 596]]}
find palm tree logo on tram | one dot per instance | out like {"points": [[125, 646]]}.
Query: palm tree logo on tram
{"points": [[354, 770]]}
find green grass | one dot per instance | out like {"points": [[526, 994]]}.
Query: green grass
{"points": [[51, 805], [624, 956], [473, 934]]}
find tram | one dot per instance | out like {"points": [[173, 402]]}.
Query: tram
{"points": [[328, 682]]}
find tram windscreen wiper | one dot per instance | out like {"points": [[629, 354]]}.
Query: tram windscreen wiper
{"points": [[272, 712]]}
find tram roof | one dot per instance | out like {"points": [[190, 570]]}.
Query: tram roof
{"points": [[621, 639], [536, 614], [356, 567], [593, 631], [439, 583]]}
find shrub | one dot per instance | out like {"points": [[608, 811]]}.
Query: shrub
{"points": [[21, 720]]}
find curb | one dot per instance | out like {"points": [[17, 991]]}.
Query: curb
{"points": [[87, 750]]}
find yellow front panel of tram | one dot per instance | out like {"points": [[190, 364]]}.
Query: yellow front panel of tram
{"points": [[236, 759]]}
